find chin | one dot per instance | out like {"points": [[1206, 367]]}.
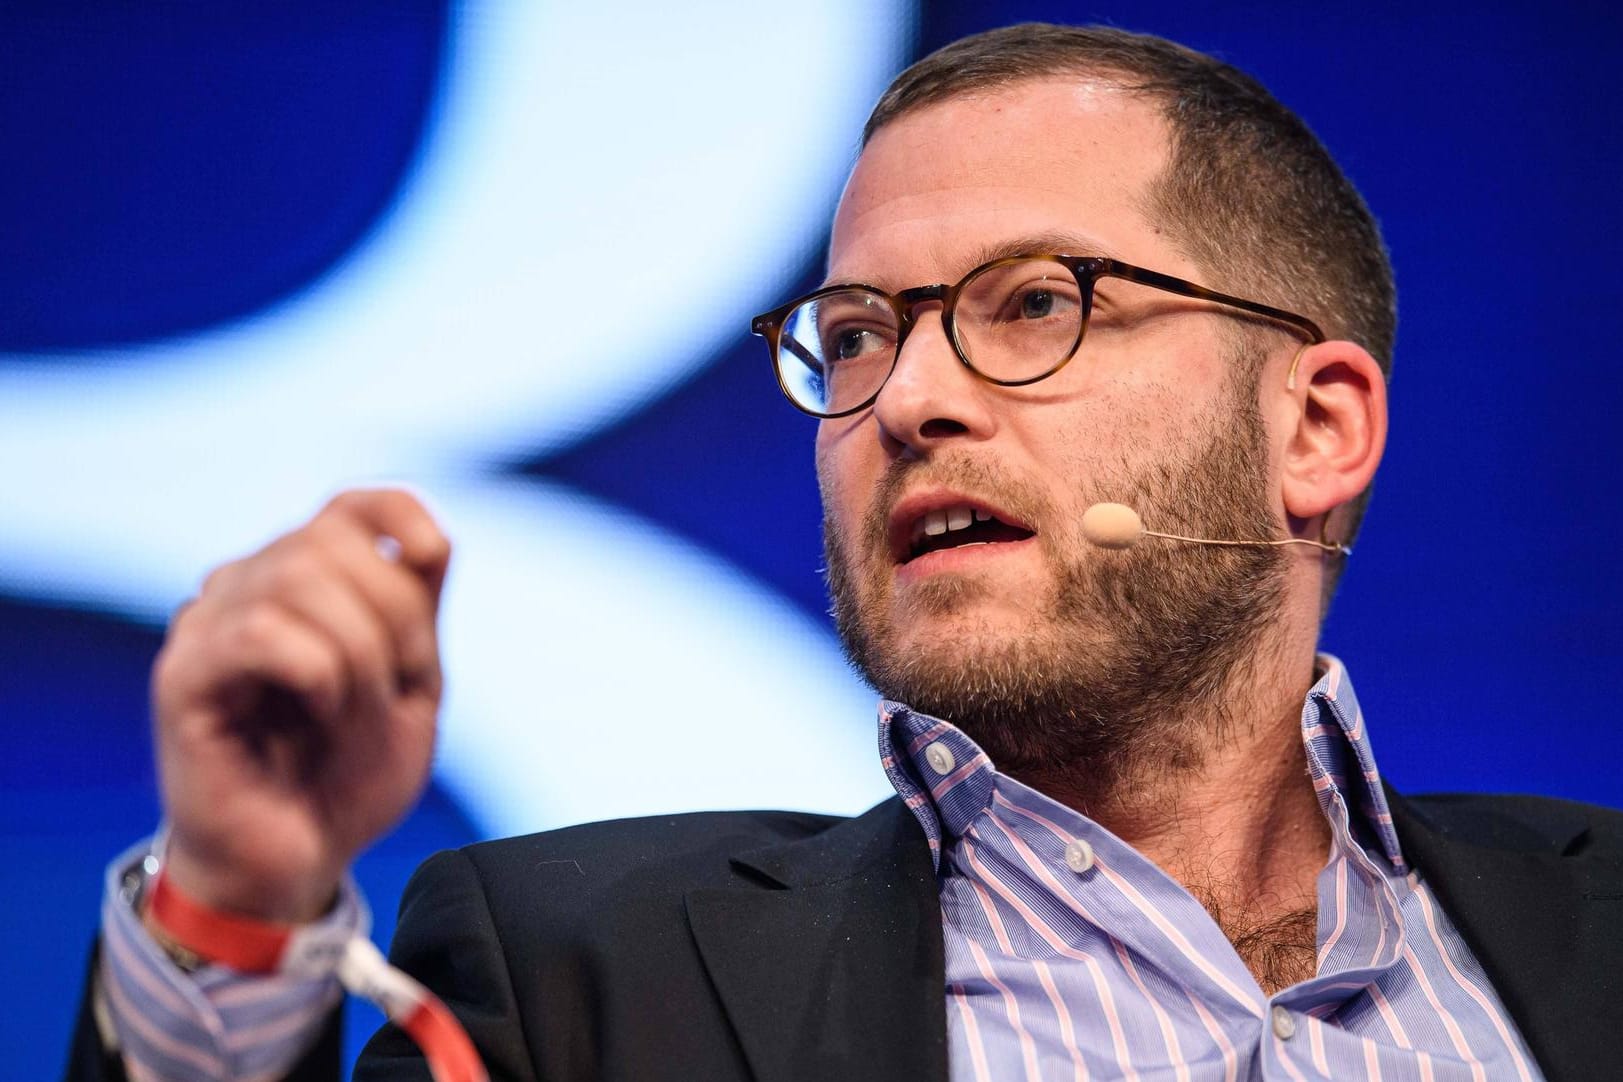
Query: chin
{"points": [[944, 596]]}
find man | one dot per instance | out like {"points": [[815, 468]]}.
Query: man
{"points": [[1139, 830]]}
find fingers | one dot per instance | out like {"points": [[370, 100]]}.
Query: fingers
{"points": [[399, 517], [263, 644], [294, 703], [395, 556], [380, 612], [309, 583], [397, 598], [328, 586]]}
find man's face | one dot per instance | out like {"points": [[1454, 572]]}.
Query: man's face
{"points": [[1031, 637]]}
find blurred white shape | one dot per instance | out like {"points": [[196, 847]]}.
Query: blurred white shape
{"points": [[700, 689], [602, 200]]}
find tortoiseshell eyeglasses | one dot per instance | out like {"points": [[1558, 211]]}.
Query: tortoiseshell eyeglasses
{"points": [[1012, 322]]}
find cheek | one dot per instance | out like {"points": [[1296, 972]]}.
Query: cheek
{"points": [[842, 476], [1136, 425], [1123, 431], [827, 476]]}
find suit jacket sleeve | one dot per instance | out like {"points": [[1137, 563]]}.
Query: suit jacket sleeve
{"points": [[447, 939], [90, 1061]]}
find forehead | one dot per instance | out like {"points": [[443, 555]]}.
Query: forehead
{"points": [[1068, 157]]}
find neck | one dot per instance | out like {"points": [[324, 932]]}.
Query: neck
{"points": [[1234, 820]]}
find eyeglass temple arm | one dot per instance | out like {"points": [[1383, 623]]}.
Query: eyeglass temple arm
{"points": [[1189, 289], [792, 344]]}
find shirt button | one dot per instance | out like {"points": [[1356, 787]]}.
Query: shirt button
{"points": [[1078, 855], [940, 758], [1284, 1024]]}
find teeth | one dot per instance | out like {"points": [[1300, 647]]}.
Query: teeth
{"points": [[946, 520], [936, 523]]}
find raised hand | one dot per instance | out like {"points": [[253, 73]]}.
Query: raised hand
{"points": [[295, 701]]}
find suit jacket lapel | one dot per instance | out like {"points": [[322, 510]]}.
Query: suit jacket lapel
{"points": [[829, 964], [1542, 918]]}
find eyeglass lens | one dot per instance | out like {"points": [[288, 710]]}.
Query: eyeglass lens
{"points": [[1011, 322]]}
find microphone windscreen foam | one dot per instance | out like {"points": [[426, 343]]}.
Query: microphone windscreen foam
{"points": [[1112, 525]]}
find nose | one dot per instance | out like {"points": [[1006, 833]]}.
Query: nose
{"points": [[931, 397]]}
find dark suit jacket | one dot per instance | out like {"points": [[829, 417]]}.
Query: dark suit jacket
{"points": [[777, 946]]}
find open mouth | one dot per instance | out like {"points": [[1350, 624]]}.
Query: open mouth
{"points": [[958, 527]]}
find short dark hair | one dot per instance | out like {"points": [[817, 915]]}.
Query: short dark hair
{"points": [[1249, 192]]}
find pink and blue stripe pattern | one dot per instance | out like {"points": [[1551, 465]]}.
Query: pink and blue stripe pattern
{"points": [[1111, 972], [215, 1023], [1116, 971]]}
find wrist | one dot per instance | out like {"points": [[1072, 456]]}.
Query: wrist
{"points": [[285, 899], [333, 950], [192, 933]]}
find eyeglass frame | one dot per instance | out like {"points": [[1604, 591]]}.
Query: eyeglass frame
{"points": [[1086, 269]]}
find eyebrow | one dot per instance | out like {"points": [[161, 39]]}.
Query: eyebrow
{"points": [[1057, 242], [1052, 242]]}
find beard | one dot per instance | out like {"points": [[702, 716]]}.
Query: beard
{"points": [[1128, 663]]}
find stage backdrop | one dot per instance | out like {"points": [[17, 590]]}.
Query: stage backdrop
{"points": [[505, 253]]}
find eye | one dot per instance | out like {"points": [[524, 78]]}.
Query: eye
{"points": [[847, 343], [849, 332], [1042, 300], [1037, 304], [839, 328], [1034, 300]]}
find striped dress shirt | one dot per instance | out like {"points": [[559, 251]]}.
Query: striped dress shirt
{"points": [[213, 1024], [1071, 956], [1068, 955]]}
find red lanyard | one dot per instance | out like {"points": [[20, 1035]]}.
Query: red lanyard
{"points": [[256, 946]]}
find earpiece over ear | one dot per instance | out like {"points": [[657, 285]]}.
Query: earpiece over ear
{"points": [[1339, 431]]}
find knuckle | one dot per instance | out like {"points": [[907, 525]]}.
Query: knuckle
{"points": [[221, 579], [187, 636], [259, 625], [346, 510], [165, 666], [290, 569], [322, 672], [344, 502], [188, 614]]}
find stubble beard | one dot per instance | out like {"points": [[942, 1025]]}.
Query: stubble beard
{"points": [[1129, 665]]}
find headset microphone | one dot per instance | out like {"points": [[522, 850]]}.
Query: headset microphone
{"points": [[1117, 526]]}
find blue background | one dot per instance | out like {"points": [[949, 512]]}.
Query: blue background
{"points": [[170, 169]]}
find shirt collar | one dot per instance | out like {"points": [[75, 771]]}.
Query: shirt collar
{"points": [[946, 780]]}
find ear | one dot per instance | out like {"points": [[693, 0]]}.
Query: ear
{"points": [[1340, 428]]}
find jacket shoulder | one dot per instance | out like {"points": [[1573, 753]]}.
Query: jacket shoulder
{"points": [[692, 847], [568, 954], [1517, 823], [598, 878]]}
